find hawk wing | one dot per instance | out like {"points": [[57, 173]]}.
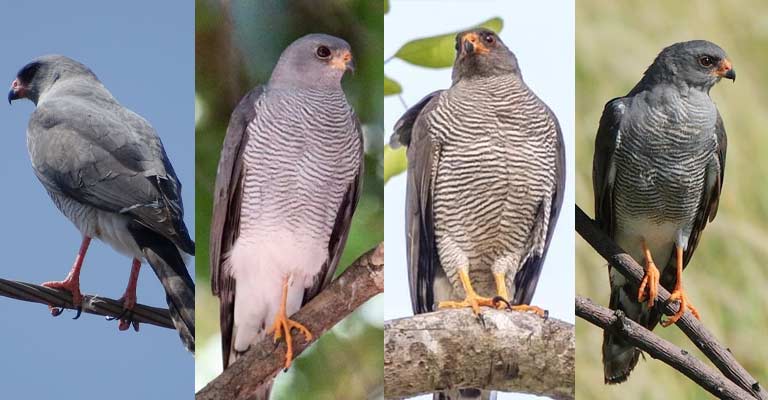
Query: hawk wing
{"points": [[603, 167], [225, 220], [423, 156], [528, 277], [341, 226]]}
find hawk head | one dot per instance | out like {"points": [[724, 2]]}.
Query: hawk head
{"points": [[481, 53]]}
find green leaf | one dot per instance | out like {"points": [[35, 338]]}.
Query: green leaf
{"points": [[438, 51], [391, 87], [386, 6], [395, 162]]}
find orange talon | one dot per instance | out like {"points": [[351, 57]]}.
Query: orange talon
{"points": [[650, 279], [283, 324], [529, 308], [679, 294], [472, 299]]}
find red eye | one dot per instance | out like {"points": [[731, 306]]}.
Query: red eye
{"points": [[489, 38]]}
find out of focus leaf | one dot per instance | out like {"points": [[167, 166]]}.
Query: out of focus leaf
{"points": [[386, 6], [394, 162], [391, 87], [438, 51]]}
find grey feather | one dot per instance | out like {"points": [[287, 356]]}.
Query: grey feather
{"points": [[106, 169]]}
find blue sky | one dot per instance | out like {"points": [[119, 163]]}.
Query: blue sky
{"points": [[144, 53], [541, 35]]}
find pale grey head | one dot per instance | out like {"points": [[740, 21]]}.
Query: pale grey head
{"points": [[313, 61], [694, 64], [40, 74], [480, 52]]}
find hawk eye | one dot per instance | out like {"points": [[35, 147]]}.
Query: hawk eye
{"points": [[489, 38], [323, 52], [706, 61]]}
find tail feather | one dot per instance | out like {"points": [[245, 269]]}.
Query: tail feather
{"points": [[165, 259], [620, 357]]}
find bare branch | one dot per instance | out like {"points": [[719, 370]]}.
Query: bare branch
{"points": [[617, 323], [720, 356], [508, 351], [247, 377], [91, 304]]}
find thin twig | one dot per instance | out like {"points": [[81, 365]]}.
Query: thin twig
{"points": [[255, 370], [617, 323], [720, 356], [91, 304], [508, 351]]}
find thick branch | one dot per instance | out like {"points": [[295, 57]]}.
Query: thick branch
{"points": [[91, 304], [509, 351], [720, 356], [617, 323], [246, 378]]}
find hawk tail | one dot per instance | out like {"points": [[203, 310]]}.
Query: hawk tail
{"points": [[620, 357], [165, 259]]}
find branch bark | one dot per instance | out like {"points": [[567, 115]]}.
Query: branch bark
{"points": [[509, 351], [248, 377], [720, 356], [91, 304], [660, 349]]}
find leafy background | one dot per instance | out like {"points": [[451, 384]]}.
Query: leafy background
{"points": [[418, 61], [237, 46], [615, 42]]}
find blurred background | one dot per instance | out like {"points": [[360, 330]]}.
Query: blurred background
{"points": [[237, 45], [615, 42], [145, 60], [419, 53]]}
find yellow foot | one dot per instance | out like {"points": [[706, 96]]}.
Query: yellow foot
{"points": [[472, 300], [679, 295], [651, 283], [283, 325], [529, 308]]}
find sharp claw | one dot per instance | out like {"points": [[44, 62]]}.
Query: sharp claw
{"points": [[499, 299], [546, 314], [79, 311], [55, 311], [135, 325]]}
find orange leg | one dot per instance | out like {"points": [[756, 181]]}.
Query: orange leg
{"points": [[472, 299], [501, 289], [650, 280], [129, 297], [283, 325], [679, 294], [72, 282]]}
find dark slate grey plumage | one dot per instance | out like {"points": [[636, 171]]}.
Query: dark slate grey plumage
{"points": [[486, 177], [657, 175], [106, 170], [288, 182]]}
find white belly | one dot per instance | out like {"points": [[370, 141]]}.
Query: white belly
{"points": [[260, 265]]}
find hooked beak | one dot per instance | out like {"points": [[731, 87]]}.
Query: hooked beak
{"points": [[344, 62], [725, 70], [17, 91], [471, 44]]}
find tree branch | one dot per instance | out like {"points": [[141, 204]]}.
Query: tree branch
{"points": [[720, 356], [91, 304], [248, 376], [617, 323], [509, 351]]}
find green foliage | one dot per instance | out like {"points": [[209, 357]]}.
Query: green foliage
{"points": [[438, 51], [391, 87], [394, 162], [615, 42]]}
